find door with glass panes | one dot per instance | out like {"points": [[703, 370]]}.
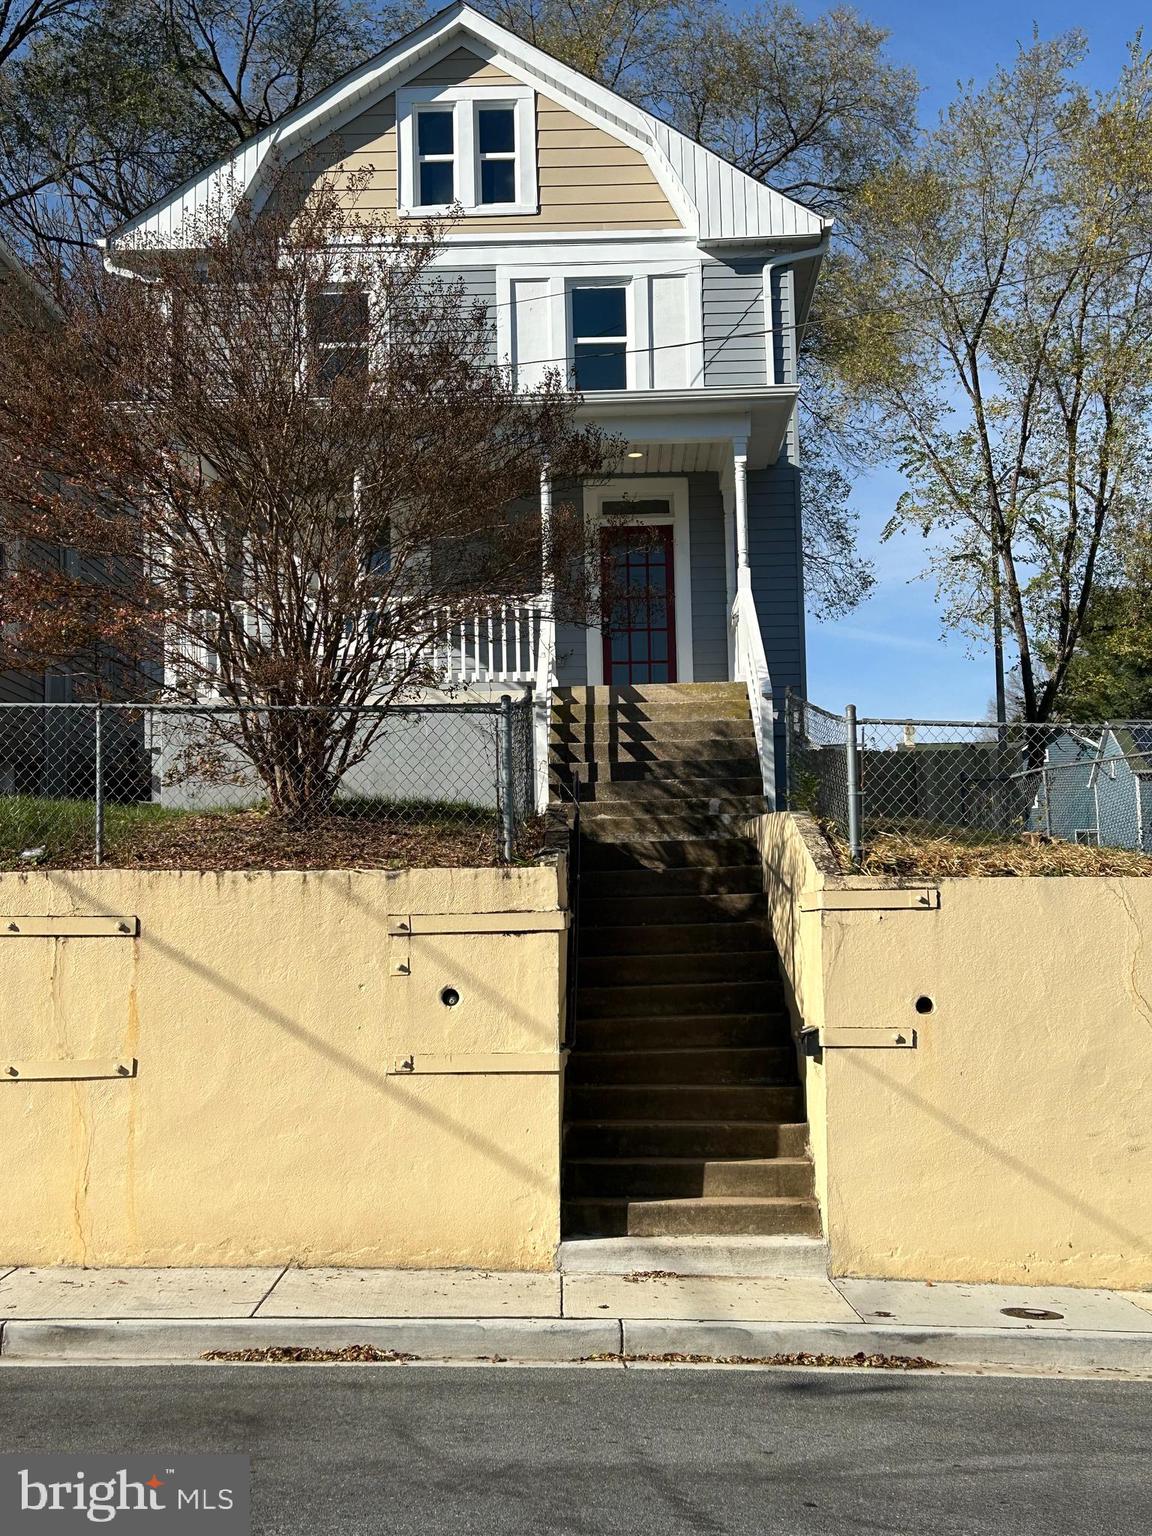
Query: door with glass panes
{"points": [[637, 568]]}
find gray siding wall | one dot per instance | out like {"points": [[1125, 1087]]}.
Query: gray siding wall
{"points": [[774, 552], [480, 286], [709, 586], [784, 325], [734, 327]]}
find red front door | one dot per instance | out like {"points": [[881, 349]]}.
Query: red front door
{"points": [[639, 587]]}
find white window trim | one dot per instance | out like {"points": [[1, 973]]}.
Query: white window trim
{"points": [[465, 101], [674, 490], [637, 351], [638, 280]]}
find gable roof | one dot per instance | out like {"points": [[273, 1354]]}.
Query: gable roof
{"points": [[716, 202]]}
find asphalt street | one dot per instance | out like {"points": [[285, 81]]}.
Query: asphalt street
{"points": [[403, 1449]]}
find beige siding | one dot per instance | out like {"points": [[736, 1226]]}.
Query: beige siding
{"points": [[588, 179]]}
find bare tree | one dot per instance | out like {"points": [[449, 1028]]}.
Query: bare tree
{"points": [[290, 451]]}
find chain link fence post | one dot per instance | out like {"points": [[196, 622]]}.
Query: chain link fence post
{"points": [[507, 785], [99, 786], [852, 765]]}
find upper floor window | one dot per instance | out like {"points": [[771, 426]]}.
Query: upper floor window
{"points": [[599, 336], [340, 335], [496, 151], [436, 153], [467, 146]]}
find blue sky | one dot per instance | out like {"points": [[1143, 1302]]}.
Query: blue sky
{"points": [[888, 657]]}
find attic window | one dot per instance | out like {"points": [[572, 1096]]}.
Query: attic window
{"points": [[467, 147]]}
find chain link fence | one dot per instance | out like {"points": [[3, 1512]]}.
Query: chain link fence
{"points": [[971, 780], [214, 786]]}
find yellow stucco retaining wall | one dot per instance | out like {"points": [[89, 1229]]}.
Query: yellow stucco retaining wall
{"points": [[272, 1118], [1014, 1142]]}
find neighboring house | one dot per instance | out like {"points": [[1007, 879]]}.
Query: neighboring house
{"points": [[1096, 787], [52, 752], [672, 283]]}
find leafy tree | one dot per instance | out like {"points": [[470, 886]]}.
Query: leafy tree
{"points": [[1001, 319], [287, 483]]}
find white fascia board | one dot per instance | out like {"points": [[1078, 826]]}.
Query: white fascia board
{"points": [[654, 401]]}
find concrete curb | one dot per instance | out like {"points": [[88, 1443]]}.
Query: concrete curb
{"points": [[567, 1339], [431, 1338], [1037, 1347]]}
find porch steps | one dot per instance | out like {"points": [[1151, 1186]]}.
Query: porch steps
{"points": [[684, 1116]]}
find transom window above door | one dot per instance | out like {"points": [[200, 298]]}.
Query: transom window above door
{"points": [[599, 327], [469, 147]]}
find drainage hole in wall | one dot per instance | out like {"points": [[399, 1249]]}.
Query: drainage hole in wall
{"points": [[449, 997], [925, 1005]]}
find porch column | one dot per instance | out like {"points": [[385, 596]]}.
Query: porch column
{"points": [[546, 644], [740, 487], [547, 577]]}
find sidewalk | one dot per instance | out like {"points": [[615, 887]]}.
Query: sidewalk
{"points": [[177, 1314]]}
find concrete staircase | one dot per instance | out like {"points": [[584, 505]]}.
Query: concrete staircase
{"points": [[684, 1114]]}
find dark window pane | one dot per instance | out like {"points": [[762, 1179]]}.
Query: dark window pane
{"points": [[340, 317], [601, 365], [598, 312], [497, 130], [660, 646], [434, 133], [343, 363], [498, 181], [658, 672], [621, 672], [436, 183]]}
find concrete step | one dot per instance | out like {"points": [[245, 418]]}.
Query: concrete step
{"points": [[670, 792], [637, 1101], [645, 1137], [713, 1215], [679, 707], [784, 1256], [649, 911], [692, 826], [686, 1066], [686, 853], [668, 970], [719, 880], [656, 1178], [725, 765], [675, 939], [665, 738], [679, 999], [671, 1031], [642, 693]]}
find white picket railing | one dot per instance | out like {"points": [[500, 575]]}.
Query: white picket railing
{"points": [[752, 669], [502, 646]]}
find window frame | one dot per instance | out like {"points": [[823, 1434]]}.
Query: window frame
{"points": [[572, 286], [466, 102], [319, 385]]}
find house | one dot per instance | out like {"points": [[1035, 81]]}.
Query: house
{"points": [[674, 289], [1096, 786], [674, 286]]}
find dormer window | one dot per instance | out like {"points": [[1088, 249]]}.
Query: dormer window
{"points": [[496, 151], [436, 153], [471, 147]]}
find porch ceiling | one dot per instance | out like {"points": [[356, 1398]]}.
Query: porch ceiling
{"points": [[706, 422], [675, 459]]}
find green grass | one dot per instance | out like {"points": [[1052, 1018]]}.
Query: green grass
{"points": [[67, 828]]}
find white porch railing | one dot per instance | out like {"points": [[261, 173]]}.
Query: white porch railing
{"points": [[752, 669], [500, 647]]}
